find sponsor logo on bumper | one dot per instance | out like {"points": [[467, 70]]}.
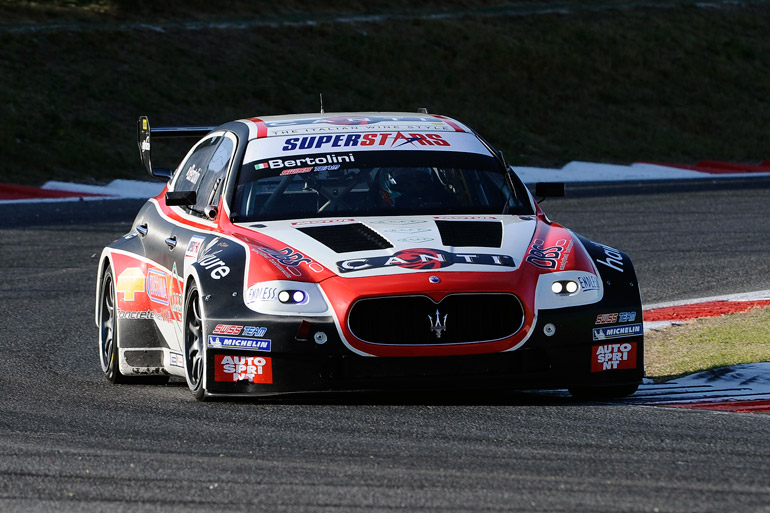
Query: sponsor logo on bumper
{"points": [[613, 356], [257, 369], [610, 332], [251, 344]]}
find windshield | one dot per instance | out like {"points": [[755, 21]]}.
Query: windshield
{"points": [[374, 183]]}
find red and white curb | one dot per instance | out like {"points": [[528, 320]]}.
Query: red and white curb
{"points": [[664, 314], [739, 388], [64, 191]]}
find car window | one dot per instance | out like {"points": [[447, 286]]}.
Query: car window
{"points": [[205, 169], [375, 183], [192, 169], [210, 183]]}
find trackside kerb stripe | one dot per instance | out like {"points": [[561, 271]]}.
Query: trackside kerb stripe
{"points": [[261, 127]]}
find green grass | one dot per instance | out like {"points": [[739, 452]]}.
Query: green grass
{"points": [[678, 84], [708, 343]]}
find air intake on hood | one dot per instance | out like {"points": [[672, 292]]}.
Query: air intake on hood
{"points": [[344, 238], [487, 234]]}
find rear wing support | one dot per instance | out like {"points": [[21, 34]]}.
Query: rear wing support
{"points": [[143, 139]]}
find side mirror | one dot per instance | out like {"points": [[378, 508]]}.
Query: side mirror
{"points": [[550, 190], [181, 198]]}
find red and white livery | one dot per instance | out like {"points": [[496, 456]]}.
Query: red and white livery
{"points": [[386, 251]]}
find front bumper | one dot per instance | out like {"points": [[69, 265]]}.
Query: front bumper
{"points": [[297, 362]]}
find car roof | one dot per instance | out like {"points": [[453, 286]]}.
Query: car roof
{"points": [[347, 122]]}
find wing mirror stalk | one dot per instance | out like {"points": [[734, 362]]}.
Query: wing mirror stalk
{"points": [[545, 190]]}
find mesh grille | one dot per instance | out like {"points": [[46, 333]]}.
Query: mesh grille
{"points": [[417, 320]]}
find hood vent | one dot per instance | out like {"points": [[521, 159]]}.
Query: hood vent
{"points": [[345, 238], [486, 234]]}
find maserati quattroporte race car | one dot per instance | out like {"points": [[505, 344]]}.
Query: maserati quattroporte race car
{"points": [[366, 251]]}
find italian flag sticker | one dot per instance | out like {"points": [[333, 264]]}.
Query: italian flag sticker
{"points": [[261, 166]]}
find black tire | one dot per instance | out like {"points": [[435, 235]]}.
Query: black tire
{"points": [[194, 356], [108, 333], [602, 393]]}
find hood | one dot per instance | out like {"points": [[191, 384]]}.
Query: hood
{"points": [[379, 246]]}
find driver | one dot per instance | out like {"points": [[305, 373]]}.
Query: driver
{"points": [[408, 187]]}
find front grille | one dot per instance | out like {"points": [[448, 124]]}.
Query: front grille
{"points": [[418, 320]]}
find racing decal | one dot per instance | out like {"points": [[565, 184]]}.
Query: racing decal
{"points": [[398, 221], [613, 257], [301, 170], [416, 240], [253, 344], [309, 161], [613, 357], [287, 259], [610, 332], [588, 282], [145, 315], [176, 285], [353, 120], [318, 144], [147, 292], [217, 267], [193, 174], [407, 230], [322, 221], [130, 281], [423, 258], [553, 256], [176, 359], [157, 286], [257, 369], [610, 318], [248, 331], [389, 139], [194, 246], [260, 293]]}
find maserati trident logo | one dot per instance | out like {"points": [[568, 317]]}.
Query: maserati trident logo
{"points": [[437, 326]]}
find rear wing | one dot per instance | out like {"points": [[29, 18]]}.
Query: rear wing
{"points": [[143, 138]]}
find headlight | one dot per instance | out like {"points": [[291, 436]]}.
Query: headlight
{"points": [[293, 297], [567, 288], [286, 298]]}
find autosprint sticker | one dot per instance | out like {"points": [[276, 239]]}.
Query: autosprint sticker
{"points": [[613, 357], [610, 332], [252, 344]]}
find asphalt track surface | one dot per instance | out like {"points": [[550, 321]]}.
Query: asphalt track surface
{"points": [[70, 441]]}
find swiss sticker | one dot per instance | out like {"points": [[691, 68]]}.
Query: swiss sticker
{"points": [[613, 357], [257, 369]]}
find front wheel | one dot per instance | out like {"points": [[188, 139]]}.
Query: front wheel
{"points": [[194, 356]]}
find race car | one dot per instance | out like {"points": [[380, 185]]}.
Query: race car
{"points": [[359, 251]]}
